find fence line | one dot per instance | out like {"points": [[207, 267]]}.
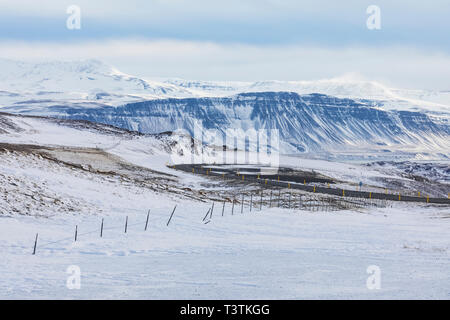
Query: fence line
{"points": [[305, 202], [318, 189]]}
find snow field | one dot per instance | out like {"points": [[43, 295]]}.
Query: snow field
{"points": [[273, 253]]}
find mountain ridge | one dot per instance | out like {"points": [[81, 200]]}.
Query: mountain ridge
{"points": [[307, 123]]}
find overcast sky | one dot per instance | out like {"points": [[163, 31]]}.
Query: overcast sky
{"points": [[239, 40]]}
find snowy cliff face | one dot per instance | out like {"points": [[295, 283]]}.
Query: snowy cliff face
{"points": [[313, 122]]}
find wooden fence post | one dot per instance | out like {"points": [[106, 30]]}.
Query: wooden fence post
{"points": [[223, 207], [206, 215], [212, 209], [171, 215], [279, 196], [260, 203], [290, 195], [146, 221], [270, 202], [35, 244]]}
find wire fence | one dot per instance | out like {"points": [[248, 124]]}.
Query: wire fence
{"points": [[274, 194], [272, 181]]}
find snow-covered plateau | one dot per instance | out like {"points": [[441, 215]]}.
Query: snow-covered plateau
{"points": [[58, 176]]}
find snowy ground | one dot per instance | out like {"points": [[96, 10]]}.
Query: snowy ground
{"points": [[273, 253]]}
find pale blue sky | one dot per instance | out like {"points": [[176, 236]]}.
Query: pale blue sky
{"points": [[301, 34]]}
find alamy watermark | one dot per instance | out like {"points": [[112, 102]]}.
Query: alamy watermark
{"points": [[373, 22], [373, 282], [230, 146], [74, 279], [73, 22]]}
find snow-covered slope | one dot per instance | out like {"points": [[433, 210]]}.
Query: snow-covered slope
{"points": [[146, 150], [250, 255]]}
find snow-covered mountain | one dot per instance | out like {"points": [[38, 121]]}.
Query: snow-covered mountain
{"points": [[342, 114], [306, 123], [89, 83], [348, 86], [92, 83]]}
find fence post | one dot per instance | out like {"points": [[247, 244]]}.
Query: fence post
{"points": [[76, 233], [171, 215], [204, 218], [242, 204], [146, 221], [290, 195], [232, 207], [212, 209], [279, 196], [223, 207], [35, 244], [260, 203], [126, 224], [270, 202], [101, 229]]}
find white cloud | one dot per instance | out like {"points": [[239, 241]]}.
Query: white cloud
{"points": [[397, 66]]}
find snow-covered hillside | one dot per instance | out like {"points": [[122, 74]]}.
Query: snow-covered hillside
{"points": [[58, 176]]}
